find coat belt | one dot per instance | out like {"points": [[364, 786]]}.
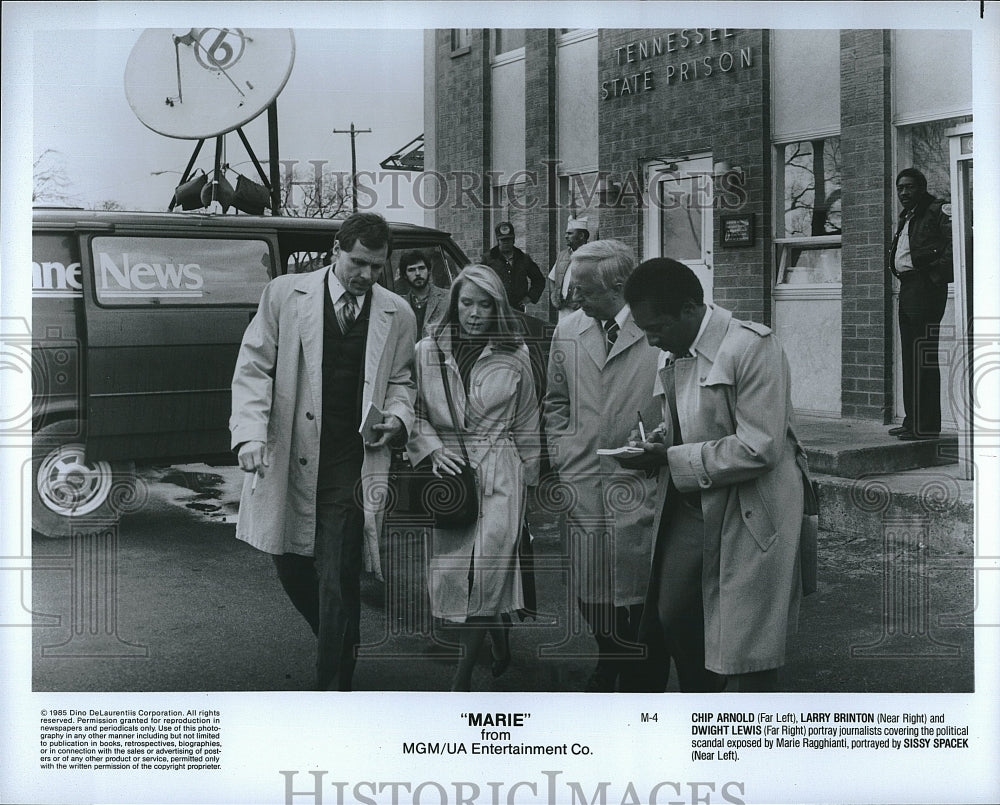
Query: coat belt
{"points": [[488, 467]]}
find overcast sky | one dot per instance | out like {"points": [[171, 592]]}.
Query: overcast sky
{"points": [[360, 62], [355, 62], [373, 78]]}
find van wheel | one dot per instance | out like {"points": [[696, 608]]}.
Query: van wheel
{"points": [[66, 491]]}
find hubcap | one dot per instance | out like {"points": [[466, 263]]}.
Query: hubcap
{"points": [[68, 485]]}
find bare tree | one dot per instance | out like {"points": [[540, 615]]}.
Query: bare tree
{"points": [[109, 205], [812, 187], [50, 181], [312, 195], [327, 195]]}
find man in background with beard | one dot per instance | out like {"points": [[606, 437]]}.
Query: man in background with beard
{"points": [[429, 302]]}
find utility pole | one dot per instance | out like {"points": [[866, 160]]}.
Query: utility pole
{"points": [[354, 160]]}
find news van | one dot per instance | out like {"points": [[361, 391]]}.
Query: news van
{"points": [[137, 320]]}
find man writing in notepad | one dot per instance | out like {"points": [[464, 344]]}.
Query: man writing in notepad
{"points": [[725, 585]]}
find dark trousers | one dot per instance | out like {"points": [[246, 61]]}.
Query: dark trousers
{"points": [[326, 589], [921, 307], [680, 609], [616, 631]]}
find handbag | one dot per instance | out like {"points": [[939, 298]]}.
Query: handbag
{"points": [[526, 560], [809, 532], [451, 501]]}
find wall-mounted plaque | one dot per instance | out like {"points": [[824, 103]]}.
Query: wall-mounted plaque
{"points": [[737, 230]]}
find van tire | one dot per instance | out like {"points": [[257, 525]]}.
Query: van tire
{"points": [[69, 495]]}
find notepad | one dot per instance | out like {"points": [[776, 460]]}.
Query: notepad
{"points": [[373, 416], [621, 452]]}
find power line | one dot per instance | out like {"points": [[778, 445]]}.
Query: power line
{"points": [[354, 160]]}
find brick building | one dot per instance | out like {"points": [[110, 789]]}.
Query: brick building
{"points": [[765, 159]]}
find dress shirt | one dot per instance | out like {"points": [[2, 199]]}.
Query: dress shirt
{"points": [[337, 294], [904, 260]]}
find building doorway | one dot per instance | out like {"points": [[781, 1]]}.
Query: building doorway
{"points": [[926, 145], [961, 377], [679, 214]]}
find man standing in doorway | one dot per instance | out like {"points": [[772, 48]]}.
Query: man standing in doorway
{"points": [[726, 577], [429, 302], [561, 277], [600, 381], [521, 276], [921, 259], [323, 348]]}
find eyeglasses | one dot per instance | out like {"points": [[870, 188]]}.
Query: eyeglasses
{"points": [[589, 291]]}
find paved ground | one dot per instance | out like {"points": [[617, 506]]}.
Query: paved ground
{"points": [[174, 603]]}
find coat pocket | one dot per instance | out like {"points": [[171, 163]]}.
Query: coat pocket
{"points": [[756, 517]]}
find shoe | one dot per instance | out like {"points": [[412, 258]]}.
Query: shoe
{"points": [[897, 431], [601, 681], [500, 664], [910, 436]]}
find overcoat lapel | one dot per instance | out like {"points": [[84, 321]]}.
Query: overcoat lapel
{"points": [[690, 373], [380, 322], [438, 300], [311, 290], [715, 332], [627, 336], [591, 340], [451, 375]]}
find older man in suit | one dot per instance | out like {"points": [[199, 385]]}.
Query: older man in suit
{"points": [[726, 578], [323, 387], [600, 380]]}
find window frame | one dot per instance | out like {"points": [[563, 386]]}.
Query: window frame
{"points": [[166, 302], [502, 57], [784, 243], [461, 41], [900, 132]]}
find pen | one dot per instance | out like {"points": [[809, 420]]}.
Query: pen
{"points": [[253, 486], [642, 428]]}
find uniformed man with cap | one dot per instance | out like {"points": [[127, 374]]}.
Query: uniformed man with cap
{"points": [[521, 276], [560, 277]]}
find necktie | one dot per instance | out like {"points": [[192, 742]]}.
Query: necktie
{"points": [[566, 293], [672, 404], [348, 312], [611, 329]]}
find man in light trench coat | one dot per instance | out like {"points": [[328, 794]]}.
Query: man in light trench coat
{"points": [[600, 379], [726, 577], [323, 350]]}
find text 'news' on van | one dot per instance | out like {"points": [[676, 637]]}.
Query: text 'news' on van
{"points": [[137, 318]]}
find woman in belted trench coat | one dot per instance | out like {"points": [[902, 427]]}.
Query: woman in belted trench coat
{"points": [[474, 576]]}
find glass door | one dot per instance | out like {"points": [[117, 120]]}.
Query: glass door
{"points": [[962, 369], [679, 215]]}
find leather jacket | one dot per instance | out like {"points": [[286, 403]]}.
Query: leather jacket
{"points": [[521, 277], [929, 231]]}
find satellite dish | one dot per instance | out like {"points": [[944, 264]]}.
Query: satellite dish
{"points": [[203, 82]]}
